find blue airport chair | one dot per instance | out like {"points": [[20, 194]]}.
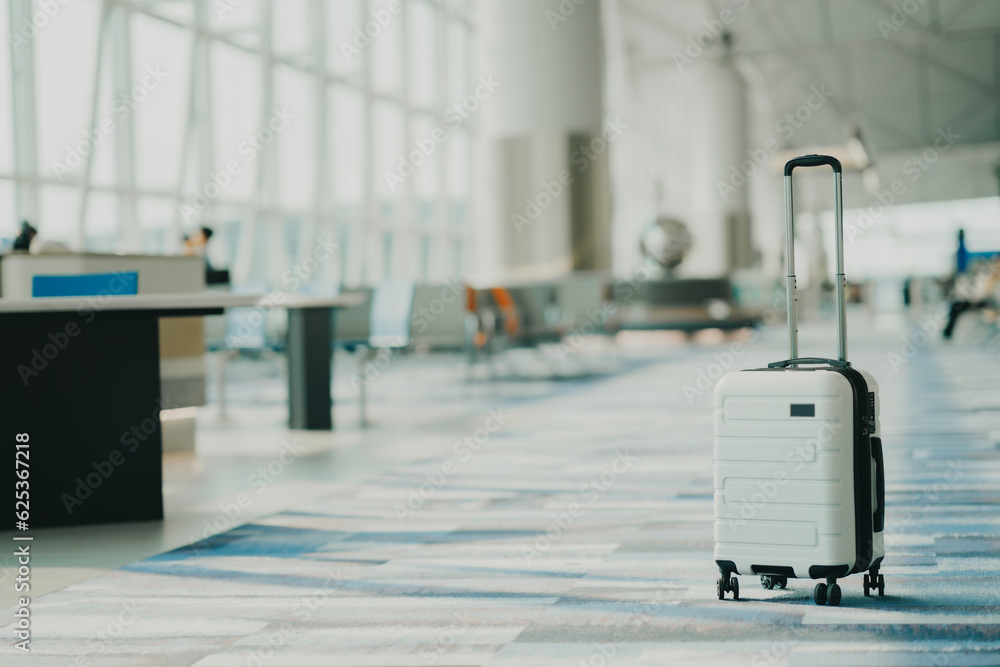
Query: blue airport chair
{"points": [[86, 284], [388, 328], [244, 330], [392, 307]]}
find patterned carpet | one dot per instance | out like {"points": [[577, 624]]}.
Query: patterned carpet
{"points": [[575, 529]]}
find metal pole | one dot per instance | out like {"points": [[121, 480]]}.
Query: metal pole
{"points": [[793, 329], [838, 214], [80, 234]]}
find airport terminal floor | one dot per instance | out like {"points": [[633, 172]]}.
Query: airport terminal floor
{"points": [[531, 521]]}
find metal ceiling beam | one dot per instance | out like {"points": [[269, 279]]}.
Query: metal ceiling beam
{"points": [[924, 93], [921, 53], [876, 41], [960, 120], [892, 127], [799, 64], [959, 10], [658, 21]]}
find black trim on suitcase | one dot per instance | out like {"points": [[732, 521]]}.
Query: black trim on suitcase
{"points": [[826, 571], [726, 566], [864, 538], [878, 520], [809, 360], [780, 570]]}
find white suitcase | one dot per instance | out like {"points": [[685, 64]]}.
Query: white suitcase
{"points": [[799, 479]]}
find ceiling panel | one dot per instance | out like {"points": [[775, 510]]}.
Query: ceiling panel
{"points": [[900, 85]]}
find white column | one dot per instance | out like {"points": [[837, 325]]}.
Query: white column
{"points": [[548, 59], [22, 60], [129, 239], [719, 212]]}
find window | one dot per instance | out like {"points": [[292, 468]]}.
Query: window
{"points": [[275, 122]]}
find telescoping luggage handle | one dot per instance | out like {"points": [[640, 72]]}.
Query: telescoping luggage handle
{"points": [[791, 288]]}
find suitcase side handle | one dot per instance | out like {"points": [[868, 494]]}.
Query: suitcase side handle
{"points": [[839, 363], [841, 281], [878, 519]]}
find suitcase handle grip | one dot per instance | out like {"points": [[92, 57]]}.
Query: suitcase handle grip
{"points": [[878, 519], [809, 360], [812, 161]]}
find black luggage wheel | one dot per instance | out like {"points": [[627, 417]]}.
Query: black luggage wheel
{"points": [[874, 582], [827, 593], [727, 584]]}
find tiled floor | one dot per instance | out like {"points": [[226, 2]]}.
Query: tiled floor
{"points": [[550, 523]]}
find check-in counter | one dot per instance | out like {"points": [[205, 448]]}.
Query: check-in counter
{"points": [[182, 339]]}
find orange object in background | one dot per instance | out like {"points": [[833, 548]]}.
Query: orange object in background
{"points": [[506, 303], [470, 299]]}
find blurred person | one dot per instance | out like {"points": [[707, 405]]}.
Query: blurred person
{"points": [[196, 245], [24, 238], [29, 240], [972, 293], [962, 255]]}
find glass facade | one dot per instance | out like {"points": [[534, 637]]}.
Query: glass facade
{"points": [[281, 124]]}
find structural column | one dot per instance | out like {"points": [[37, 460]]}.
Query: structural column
{"points": [[545, 205], [22, 58], [722, 165]]}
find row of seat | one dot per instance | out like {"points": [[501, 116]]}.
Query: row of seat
{"points": [[483, 321]]}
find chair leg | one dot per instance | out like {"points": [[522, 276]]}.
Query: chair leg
{"points": [[364, 356], [221, 359]]}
